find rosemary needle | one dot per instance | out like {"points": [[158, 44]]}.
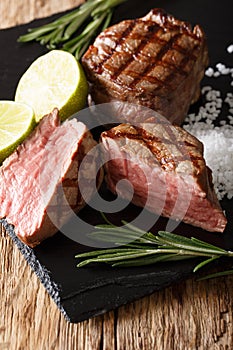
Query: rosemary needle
{"points": [[74, 31]]}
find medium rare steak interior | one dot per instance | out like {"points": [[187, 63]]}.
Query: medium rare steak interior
{"points": [[166, 168], [39, 181], [156, 61]]}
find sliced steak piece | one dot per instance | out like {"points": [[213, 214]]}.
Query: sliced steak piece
{"points": [[39, 181], [166, 168], [156, 61]]}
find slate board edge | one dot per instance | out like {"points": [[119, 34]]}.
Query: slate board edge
{"points": [[54, 290], [41, 272]]}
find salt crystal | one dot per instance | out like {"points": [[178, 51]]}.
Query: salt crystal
{"points": [[230, 48], [209, 72], [216, 74], [206, 89], [220, 66]]}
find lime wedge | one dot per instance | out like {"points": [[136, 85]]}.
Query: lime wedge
{"points": [[55, 79], [16, 123]]}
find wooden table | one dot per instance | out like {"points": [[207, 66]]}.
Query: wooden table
{"points": [[189, 315]]}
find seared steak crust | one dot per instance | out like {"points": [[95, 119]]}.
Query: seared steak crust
{"points": [[156, 61], [166, 163]]}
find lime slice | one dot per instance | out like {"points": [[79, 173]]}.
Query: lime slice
{"points": [[16, 122], [55, 79]]}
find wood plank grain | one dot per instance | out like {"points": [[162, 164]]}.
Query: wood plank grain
{"points": [[189, 315], [23, 11]]}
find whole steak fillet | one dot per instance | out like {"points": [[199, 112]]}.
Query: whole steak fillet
{"points": [[165, 166], [39, 181], [156, 61]]}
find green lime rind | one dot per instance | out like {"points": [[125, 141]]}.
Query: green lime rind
{"points": [[11, 147], [78, 101], [53, 80]]}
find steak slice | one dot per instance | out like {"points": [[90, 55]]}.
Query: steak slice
{"points": [[39, 181], [166, 168], [156, 61]]}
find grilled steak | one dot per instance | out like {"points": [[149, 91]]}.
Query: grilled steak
{"points": [[156, 61], [39, 181], [165, 166]]}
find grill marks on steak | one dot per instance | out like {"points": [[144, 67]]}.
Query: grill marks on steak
{"points": [[156, 61], [165, 165], [39, 181]]}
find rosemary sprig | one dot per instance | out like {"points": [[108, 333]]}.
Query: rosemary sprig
{"points": [[94, 15], [148, 248]]}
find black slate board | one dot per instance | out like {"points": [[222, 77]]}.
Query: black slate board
{"points": [[84, 293]]}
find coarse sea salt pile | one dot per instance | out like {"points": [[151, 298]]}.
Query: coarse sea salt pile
{"points": [[217, 140]]}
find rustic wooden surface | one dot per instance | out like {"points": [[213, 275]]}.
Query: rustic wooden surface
{"points": [[190, 315]]}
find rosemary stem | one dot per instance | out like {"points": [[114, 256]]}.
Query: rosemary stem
{"points": [[145, 248], [96, 14]]}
